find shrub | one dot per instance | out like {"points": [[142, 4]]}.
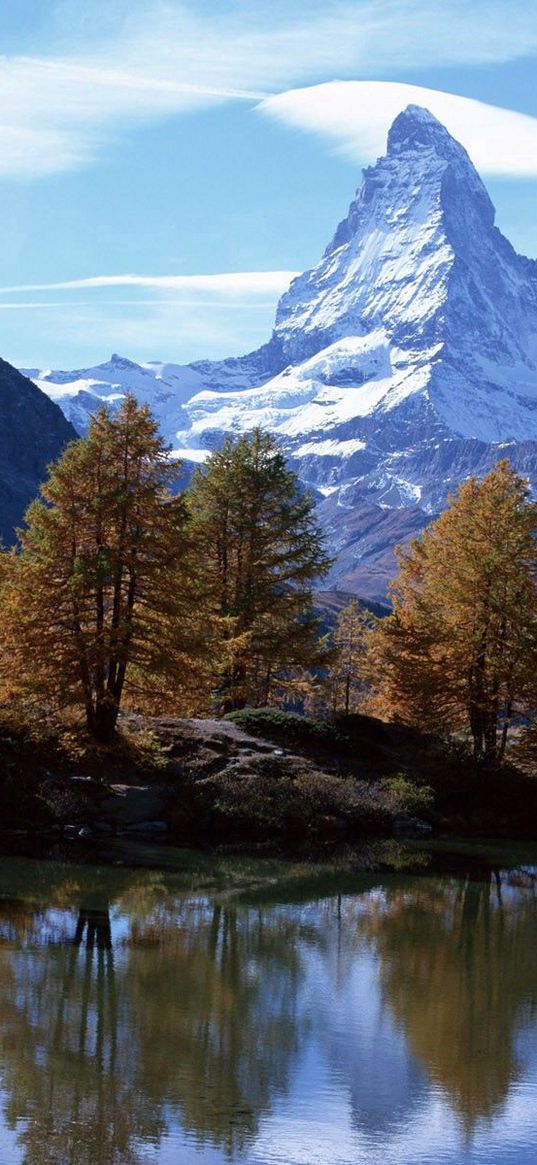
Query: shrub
{"points": [[407, 797], [280, 802], [288, 727]]}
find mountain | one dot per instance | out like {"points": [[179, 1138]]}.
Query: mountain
{"points": [[403, 362], [33, 431], [167, 388]]}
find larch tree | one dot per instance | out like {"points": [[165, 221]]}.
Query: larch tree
{"points": [[460, 649], [262, 550], [346, 680], [102, 591]]}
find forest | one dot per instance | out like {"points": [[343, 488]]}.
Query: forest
{"points": [[127, 597]]}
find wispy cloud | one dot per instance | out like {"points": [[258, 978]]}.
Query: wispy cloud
{"points": [[60, 112], [163, 329], [354, 117], [181, 317], [223, 284], [37, 305]]}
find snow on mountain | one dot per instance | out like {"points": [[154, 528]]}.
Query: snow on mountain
{"points": [[163, 386], [403, 362]]}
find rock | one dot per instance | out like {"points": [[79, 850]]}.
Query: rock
{"points": [[175, 770], [405, 825], [71, 830], [84, 832], [133, 804]]}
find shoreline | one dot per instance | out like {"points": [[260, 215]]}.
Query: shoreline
{"points": [[293, 788]]}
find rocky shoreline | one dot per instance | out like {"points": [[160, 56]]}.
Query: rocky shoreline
{"points": [[213, 784], [209, 782]]}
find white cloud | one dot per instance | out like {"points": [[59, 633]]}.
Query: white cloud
{"points": [[355, 116], [58, 115], [39, 305], [184, 317], [59, 112], [225, 284]]}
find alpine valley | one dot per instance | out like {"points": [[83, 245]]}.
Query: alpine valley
{"points": [[403, 362]]}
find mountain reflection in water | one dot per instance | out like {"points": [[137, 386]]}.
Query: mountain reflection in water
{"points": [[386, 1019]]}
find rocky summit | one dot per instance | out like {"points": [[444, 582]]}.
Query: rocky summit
{"points": [[403, 362]]}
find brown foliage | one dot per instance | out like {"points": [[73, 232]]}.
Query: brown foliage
{"points": [[104, 597], [459, 650]]}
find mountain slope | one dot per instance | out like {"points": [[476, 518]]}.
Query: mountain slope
{"points": [[33, 432], [404, 361]]}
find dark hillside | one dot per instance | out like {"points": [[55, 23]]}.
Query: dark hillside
{"points": [[33, 431]]}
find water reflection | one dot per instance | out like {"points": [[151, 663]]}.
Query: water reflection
{"points": [[219, 1019], [131, 1012], [66, 1048], [458, 972], [193, 1011]]}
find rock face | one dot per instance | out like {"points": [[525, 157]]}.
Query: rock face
{"points": [[33, 432], [403, 362]]}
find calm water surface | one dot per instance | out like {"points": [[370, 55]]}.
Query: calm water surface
{"points": [[221, 1012]]}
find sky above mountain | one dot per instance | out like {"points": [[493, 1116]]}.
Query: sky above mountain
{"points": [[166, 167]]}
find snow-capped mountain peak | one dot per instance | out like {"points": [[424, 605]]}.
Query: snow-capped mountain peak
{"points": [[397, 364], [391, 258], [417, 128]]}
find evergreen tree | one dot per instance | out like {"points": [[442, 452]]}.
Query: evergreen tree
{"points": [[459, 649], [261, 551], [103, 582]]}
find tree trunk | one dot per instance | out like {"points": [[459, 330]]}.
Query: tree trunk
{"points": [[96, 923], [505, 729], [491, 737], [101, 720], [234, 694], [268, 678], [477, 731]]}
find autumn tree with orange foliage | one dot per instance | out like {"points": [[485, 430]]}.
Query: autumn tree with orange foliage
{"points": [[460, 649], [346, 682], [104, 591]]}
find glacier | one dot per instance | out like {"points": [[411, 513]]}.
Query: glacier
{"points": [[404, 361]]}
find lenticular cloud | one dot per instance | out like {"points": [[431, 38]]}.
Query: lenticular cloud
{"points": [[355, 115]]}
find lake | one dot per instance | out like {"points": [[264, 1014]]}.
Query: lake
{"points": [[213, 1010]]}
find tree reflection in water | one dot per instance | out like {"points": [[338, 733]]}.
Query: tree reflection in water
{"points": [[129, 1011], [193, 1014], [67, 1050], [458, 972], [218, 1017]]}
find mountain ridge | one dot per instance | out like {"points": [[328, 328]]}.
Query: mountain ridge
{"points": [[405, 360], [33, 432]]}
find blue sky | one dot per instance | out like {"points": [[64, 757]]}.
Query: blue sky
{"points": [[170, 141]]}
